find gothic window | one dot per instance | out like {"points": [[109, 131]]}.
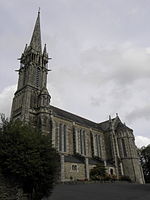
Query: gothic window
{"points": [[65, 146], [81, 143], [111, 171], [97, 145], [84, 143], [124, 148], [76, 142], [82, 140], [37, 77], [62, 138]]}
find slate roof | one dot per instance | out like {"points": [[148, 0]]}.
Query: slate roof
{"points": [[104, 126], [123, 126], [93, 161], [73, 159], [72, 117]]}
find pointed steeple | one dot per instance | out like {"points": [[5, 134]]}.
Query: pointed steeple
{"points": [[36, 36], [45, 51]]}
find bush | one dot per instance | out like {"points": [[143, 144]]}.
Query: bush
{"points": [[145, 162], [28, 158], [98, 172]]}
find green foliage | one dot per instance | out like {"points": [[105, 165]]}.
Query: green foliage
{"points": [[98, 172], [145, 162], [28, 158]]}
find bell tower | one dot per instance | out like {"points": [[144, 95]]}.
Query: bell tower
{"points": [[31, 102]]}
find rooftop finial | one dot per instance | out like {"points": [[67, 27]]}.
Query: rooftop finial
{"points": [[110, 120], [39, 11]]}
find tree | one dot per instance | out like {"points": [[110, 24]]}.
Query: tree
{"points": [[145, 162], [28, 158], [98, 172]]}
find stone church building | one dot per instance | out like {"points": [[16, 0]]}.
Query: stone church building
{"points": [[81, 143]]}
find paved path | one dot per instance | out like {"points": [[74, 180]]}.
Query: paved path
{"points": [[104, 191]]}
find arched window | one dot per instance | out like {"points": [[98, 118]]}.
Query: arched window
{"points": [[62, 138], [37, 77], [124, 148], [65, 137], [111, 171], [82, 142], [97, 145]]}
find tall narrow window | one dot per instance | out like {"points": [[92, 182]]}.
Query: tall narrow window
{"points": [[60, 137], [84, 142], [99, 144], [96, 142], [65, 137], [81, 145], [124, 148], [76, 138], [37, 77]]}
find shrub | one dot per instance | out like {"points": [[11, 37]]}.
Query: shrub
{"points": [[98, 172], [28, 158]]}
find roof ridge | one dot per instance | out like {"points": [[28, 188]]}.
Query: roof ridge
{"points": [[74, 114]]}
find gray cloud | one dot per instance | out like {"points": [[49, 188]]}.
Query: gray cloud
{"points": [[6, 100], [140, 113], [100, 50]]}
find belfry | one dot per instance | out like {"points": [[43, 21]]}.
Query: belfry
{"points": [[31, 102], [81, 143]]}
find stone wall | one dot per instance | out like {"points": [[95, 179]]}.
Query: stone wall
{"points": [[75, 174]]}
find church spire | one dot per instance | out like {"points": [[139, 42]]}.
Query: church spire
{"points": [[36, 43]]}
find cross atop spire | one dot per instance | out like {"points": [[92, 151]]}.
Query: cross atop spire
{"points": [[36, 36]]}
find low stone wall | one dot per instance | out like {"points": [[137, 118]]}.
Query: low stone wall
{"points": [[78, 174], [94, 182]]}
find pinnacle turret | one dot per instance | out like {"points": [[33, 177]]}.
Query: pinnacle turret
{"points": [[45, 51], [36, 43]]}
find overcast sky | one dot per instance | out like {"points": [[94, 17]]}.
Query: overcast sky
{"points": [[100, 51]]}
